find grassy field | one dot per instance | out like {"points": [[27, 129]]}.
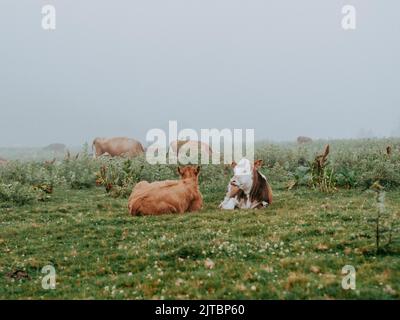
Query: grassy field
{"points": [[52, 213], [293, 250]]}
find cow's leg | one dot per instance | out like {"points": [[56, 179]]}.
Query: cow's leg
{"points": [[133, 203], [196, 204], [269, 194], [160, 208], [229, 204], [98, 153], [134, 207], [97, 150]]}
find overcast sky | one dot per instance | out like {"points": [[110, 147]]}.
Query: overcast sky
{"points": [[122, 67]]}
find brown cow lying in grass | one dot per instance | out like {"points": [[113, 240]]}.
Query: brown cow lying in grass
{"points": [[171, 196]]}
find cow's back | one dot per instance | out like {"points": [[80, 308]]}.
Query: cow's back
{"points": [[201, 147], [122, 146], [303, 140], [171, 196]]}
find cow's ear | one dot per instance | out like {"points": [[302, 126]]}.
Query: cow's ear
{"points": [[233, 164], [258, 164], [197, 170], [179, 170]]}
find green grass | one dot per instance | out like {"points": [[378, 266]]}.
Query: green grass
{"points": [[293, 250]]}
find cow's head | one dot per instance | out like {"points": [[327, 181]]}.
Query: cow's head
{"points": [[189, 172], [243, 174]]}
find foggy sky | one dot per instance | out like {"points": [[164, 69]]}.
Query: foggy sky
{"points": [[119, 68]]}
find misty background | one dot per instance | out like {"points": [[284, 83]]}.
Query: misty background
{"points": [[120, 68]]}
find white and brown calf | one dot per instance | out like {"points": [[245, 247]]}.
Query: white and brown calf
{"points": [[248, 188]]}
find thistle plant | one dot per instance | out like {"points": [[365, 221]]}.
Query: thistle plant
{"points": [[322, 176], [388, 151]]}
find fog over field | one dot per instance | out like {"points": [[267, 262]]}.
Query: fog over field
{"points": [[284, 68]]}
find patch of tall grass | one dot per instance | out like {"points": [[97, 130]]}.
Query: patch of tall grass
{"points": [[352, 164]]}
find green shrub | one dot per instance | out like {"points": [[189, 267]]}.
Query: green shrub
{"points": [[352, 163], [31, 173], [17, 194], [78, 173], [386, 172]]}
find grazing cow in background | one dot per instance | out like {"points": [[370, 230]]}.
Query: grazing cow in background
{"points": [[3, 161], [248, 189], [303, 140], [119, 146], [171, 196], [56, 147], [201, 147], [48, 163]]}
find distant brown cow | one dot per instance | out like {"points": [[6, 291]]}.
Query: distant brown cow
{"points": [[119, 146], [56, 147], [303, 140], [49, 162], [171, 196], [201, 147], [3, 161]]}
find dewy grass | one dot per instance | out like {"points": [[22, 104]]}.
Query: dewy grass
{"points": [[295, 249]]}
